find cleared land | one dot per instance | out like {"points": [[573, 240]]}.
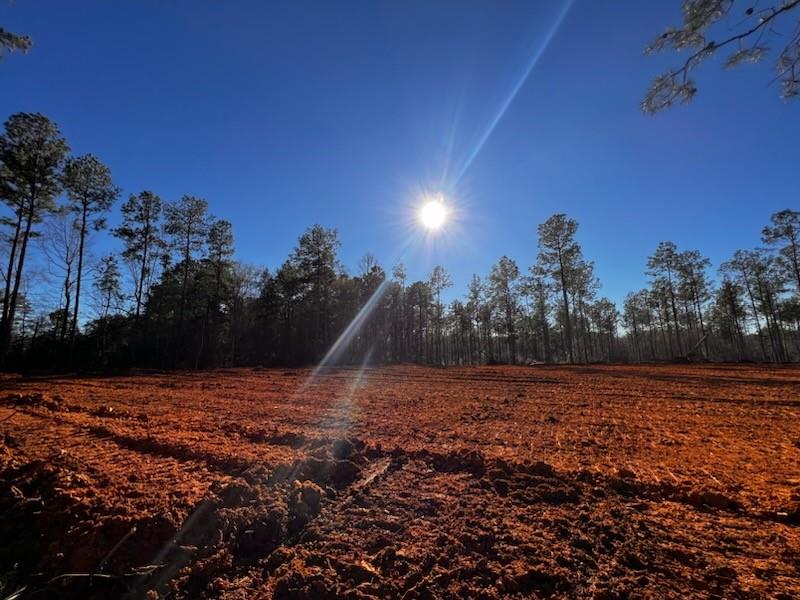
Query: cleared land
{"points": [[601, 482]]}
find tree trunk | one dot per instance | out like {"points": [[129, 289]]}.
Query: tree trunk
{"points": [[79, 274], [5, 331], [675, 313], [545, 332], [143, 270], [184, 283], [67, 301], [567, 322], [9, 273], [795, 262]]}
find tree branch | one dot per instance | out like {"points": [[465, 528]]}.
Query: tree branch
{"points": [[675, 84], [713, 46]]}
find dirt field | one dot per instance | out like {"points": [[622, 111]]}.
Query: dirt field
{"points": [[596, 482]]}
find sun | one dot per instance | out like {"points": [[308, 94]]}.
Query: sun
{"points": [[433, 214]]}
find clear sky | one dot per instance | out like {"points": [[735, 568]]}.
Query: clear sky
{"points": [[286, 114]]}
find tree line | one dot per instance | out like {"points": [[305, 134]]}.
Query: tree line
{"points": [[174, 296]]}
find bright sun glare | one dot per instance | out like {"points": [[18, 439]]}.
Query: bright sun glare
{"points": [[433, 214]]}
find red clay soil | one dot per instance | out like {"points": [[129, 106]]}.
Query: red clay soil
{"points": [[404, 482]]}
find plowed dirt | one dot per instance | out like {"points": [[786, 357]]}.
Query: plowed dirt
{"points": [[404, 482]]}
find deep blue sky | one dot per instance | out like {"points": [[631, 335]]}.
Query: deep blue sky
{"points": [[287, 114]]}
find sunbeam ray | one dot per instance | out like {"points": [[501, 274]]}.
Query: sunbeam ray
{"points": [[351, 330], [515, 90]]}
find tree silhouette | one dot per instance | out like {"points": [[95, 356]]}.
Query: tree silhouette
{"points": [[187, 223], [141, 237], [32, 153], [91, 191], [785, 233], [559, 256], [504, 295], [663, 265]]}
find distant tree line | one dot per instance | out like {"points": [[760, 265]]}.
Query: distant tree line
{"points": [[174, 296]]}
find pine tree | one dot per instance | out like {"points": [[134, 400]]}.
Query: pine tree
{"points": [[91, 192], [187, 222], [438, 281], [32, 152], [663, 267], [140, 234], [504, 295], [785, 233], [559, 255]]}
